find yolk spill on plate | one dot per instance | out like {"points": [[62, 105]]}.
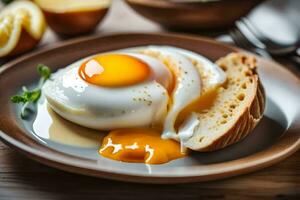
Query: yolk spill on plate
{"points": [[139, 145]]}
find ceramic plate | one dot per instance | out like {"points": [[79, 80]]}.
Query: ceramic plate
{"points": [[276, 137]]}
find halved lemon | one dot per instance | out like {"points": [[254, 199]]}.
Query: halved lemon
{"points": [[22, 25], [73, 17]]}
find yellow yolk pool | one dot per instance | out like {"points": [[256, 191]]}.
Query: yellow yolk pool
{"points": [[114, 70], [202, 104], [139, 145]]}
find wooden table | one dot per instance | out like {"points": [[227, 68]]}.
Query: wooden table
{"points": [[22, 178]]}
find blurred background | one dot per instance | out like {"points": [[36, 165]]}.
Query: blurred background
{"points": [[274, 20]]}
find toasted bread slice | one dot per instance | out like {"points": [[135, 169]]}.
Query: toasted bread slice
{"points": [[229, 112], [236, 107]]}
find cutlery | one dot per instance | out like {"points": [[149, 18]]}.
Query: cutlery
{"points": [[246, 35]]}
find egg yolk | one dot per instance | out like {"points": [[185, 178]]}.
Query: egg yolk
{"points": [[139, 145], [200, 105], [114, 70]]}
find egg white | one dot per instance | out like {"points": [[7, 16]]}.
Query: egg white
{"points": [[105, 108], [143, 104], [188, 86]]}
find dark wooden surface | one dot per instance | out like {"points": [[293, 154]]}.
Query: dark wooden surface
{"points": [[22, 178]]}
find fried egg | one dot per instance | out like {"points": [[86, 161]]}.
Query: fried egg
{"points": [[125, 90], [110, 91]]}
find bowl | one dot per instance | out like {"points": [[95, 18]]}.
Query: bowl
{"points": [[72, 18], [209, 14]]}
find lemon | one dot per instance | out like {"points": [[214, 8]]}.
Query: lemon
{"points": [[22, 25]]}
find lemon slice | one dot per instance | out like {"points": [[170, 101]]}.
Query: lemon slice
{"points": [[17, 18]]}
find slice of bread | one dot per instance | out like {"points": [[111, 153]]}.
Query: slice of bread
{"points": [[229, 112], [235, 108]]}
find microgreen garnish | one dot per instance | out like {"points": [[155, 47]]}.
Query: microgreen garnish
{"points": [[44, 71], [32, 96]]}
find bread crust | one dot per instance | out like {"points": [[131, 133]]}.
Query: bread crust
{"points": [[247, 121]]}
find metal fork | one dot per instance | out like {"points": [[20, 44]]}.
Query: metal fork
{"points": [[242, 41], [247, 36]]}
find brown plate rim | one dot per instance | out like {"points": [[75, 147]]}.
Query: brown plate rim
{"points": [[288, 143]]}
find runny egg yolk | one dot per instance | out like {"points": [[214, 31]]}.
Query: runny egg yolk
{"points": [[139, 145], [114, 70]]}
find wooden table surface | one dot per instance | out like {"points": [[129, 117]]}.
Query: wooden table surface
{"points": [[22, 178]]}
